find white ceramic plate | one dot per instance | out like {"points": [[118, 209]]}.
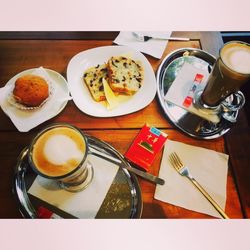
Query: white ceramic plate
{"points": [[25, 120], [81, 95]]}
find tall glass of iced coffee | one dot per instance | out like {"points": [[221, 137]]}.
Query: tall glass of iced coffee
{"points": [[230, 72]]}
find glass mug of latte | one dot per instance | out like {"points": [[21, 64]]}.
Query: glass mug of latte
{"points": [[230, 72], [60, 152]]}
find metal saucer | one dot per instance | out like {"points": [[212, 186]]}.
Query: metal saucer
{"points": [[187, 122], [123, 199]]}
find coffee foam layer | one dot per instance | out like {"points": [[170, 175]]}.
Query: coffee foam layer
{"points": [[60, 149], [237, 57]]}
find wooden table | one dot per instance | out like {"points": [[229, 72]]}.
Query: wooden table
{"points": [[20, 51]]}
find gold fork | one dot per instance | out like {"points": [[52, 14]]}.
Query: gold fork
{"points": [[183, 170]]}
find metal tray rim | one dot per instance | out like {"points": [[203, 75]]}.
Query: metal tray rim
{"points": [[28, 211], [159, 73]]}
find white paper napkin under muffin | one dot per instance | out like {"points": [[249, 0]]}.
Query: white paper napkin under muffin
{"points": [[83, 204], [151, 47], [25, 120], [180, 87], [208, 167]]}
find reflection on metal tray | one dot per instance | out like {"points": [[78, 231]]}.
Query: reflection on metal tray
{"points": [[123, 199], [187, 122]]}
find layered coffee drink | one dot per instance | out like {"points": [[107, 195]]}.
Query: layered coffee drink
{"points": [[230, 72], [58, 151]]}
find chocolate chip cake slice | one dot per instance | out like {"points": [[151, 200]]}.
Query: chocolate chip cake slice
{"points": [[125, 74], [93, 79]]}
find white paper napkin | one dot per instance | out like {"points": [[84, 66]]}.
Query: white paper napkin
{"points": [[208, 167], [181, 87], [25, 120], [151, 47], [83, 204]]}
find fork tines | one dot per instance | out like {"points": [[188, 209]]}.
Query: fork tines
{"points": [[175, 161]]}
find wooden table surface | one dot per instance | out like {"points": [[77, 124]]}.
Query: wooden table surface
{"points": [[19, 53]]}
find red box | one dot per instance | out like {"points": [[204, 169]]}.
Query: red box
{"points": [[145, 146]]}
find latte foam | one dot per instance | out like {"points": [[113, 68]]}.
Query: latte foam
{"points": [[58, 151], [237, 57]]}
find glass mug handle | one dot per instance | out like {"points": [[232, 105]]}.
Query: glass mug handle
{"points": [[231, 105]]}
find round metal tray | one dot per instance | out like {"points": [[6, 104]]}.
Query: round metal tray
{"points": [[123, 199], [187, 122]]}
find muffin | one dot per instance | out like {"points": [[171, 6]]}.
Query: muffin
{"points": [[31, 90]]}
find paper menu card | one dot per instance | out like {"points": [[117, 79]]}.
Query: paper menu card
{"points": [[83, 204], [207, 166], [189, 81]]}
